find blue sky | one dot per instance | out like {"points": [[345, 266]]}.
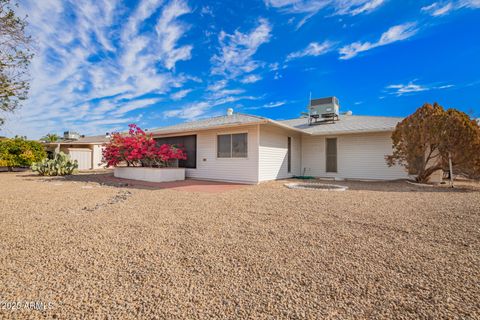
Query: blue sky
{"points": [[103, 64]]}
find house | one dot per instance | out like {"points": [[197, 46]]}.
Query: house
{"points": [[251, 149], [86, 150]]}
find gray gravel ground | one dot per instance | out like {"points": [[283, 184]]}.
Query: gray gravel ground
{"points": [[377, 251]]}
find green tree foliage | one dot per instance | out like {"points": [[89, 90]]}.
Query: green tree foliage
{"points": [[61, 165], [51, 137], [15, 56], [426, 140], [19, 152]]}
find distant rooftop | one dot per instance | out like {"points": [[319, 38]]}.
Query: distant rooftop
{"points": [[84, 140]]}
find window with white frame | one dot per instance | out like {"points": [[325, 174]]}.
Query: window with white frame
{"points": [[232, 145]]}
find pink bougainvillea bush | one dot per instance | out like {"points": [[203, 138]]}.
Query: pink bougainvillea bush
{"points": [[137, 148]]}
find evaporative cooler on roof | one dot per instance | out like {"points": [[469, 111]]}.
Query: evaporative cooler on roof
{"points": [[323, 110]]}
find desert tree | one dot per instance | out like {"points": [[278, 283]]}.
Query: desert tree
{"points": [[15, 56], [434, 139], [460, 144]]}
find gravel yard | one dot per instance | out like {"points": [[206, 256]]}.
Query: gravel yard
{"points": [[377, 250]]}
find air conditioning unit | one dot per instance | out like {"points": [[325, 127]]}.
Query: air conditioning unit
{"points": [[327, 109], [71, 135], [325, 106]]}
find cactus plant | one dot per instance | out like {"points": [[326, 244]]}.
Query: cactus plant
{"points": [[61, 165]]}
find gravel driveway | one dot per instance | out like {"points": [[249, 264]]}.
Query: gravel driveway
{"points": [[379, 250]]}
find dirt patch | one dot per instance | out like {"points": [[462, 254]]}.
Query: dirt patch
{"points": [[375, 251]]}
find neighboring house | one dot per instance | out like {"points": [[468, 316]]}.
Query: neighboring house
{"points": [[86, 150], [251, 149]]}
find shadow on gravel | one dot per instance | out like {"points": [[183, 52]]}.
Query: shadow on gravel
{"points": [[107, 179], [102, 178]]}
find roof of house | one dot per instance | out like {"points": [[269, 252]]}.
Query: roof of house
{"points": [[236, 119], [84, 140], [345, 124]]}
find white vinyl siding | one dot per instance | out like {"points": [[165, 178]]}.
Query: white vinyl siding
{"points": [[359, 156], [273, 153], [97, 156], [211, 167]]}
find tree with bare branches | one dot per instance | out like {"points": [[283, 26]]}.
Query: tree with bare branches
{"points": [[15, 56]]}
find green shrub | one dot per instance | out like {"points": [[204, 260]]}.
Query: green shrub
{"points": [[61, 165], [19, 152]]}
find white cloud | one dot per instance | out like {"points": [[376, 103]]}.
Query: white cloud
{"points": [[313, 49], [442, 8], [237, 50], [401, 89], [268, 105], [180, 94], [437, 9], [309, 8], [219, 85], [134, 105], [353, 8], [203, 108], [169, 31], [251, 78], [411, 87], [189, 112], [225, 92], [81, 75], [274, 104], [394, 34]]}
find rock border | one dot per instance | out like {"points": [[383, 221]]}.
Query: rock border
{"points": [[316, 186]]}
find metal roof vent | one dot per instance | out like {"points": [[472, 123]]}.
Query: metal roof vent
{"points": [[229, 111]]}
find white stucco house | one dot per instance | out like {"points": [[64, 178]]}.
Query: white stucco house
{"points": [[251, 149]]}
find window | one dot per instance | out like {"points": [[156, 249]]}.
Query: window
{"points": [[331, 154], [232, 145], [289, 154], [189, 143]]}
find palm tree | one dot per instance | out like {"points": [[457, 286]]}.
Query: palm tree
{"points": [[51, 137]]}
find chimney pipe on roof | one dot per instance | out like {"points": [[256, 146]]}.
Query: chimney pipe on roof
{"points": [[229, 111]]}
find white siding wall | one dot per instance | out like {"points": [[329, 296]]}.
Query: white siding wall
{"points": [[359, 156], [97, 156], [210, 167], [273, 153]]}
